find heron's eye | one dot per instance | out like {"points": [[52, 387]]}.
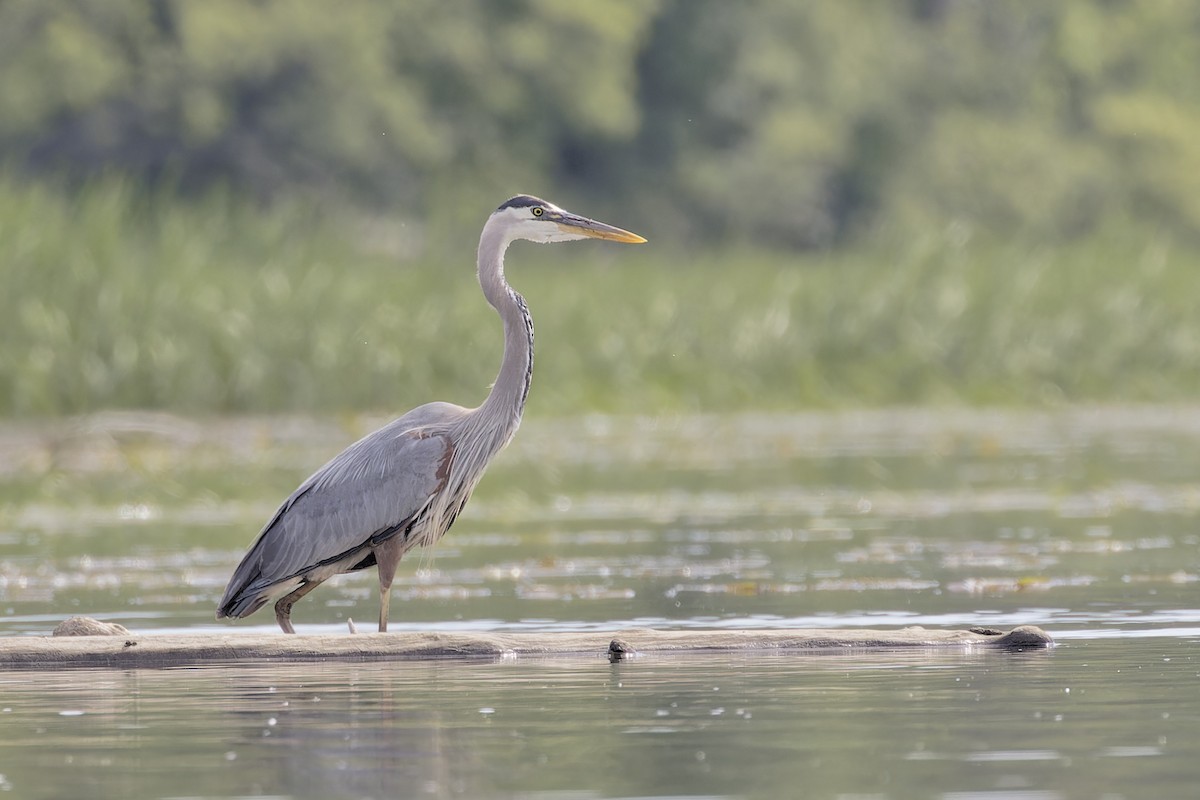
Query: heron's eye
{"points": [[537, 211]]}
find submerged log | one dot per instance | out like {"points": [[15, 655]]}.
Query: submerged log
{"points": [[127, 650]]}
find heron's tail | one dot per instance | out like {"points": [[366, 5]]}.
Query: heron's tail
{"points": [[241, 606], [245, 594]]}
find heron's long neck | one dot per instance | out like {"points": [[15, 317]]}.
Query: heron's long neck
{"points": [[507, 399]]}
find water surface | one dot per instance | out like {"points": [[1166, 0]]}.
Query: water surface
{"points": [[1089, 719], [1083, 521]]}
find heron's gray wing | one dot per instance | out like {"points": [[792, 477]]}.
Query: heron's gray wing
{"points": [[368, 492]]}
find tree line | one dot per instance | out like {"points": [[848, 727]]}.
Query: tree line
{"points": [[795, 124]]}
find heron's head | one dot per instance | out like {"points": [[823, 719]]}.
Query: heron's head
{"points": [[531, 218]]}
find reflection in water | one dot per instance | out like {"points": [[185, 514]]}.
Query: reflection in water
{"points": [[1079, 720]]}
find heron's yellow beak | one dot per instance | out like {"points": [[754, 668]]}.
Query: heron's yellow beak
{"points": [[569, 223]]}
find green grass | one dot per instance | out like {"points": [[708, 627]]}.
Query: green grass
{"points": [[112, 298]]}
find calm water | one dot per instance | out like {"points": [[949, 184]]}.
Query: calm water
{"points": [[1083, 521]]}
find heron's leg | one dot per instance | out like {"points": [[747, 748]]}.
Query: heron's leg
{"points": [[283, 608], [387, 556], [385, 599]]}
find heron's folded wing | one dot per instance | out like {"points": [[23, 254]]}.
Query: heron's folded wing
{"points": [[376, 485]]}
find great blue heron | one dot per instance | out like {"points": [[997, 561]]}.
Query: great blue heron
{"points": [[403, 485]]}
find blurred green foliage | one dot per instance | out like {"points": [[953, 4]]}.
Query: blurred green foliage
{"points": [[116, 299], [802, 124], [410, 104], [230, 206]]}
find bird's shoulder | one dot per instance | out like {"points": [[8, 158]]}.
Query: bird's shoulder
{"points": [[431, 414], [415, 446]]}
